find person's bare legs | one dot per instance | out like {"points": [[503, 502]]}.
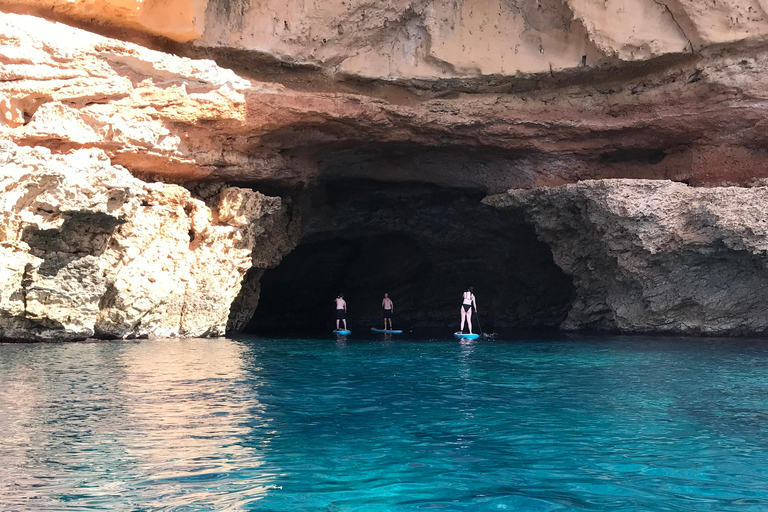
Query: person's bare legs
{"points": [[463, 318], [468, 314], [337, 324], [345, 323], [390, 323]]}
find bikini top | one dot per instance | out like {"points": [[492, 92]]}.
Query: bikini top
{"points": [[468, 298]]}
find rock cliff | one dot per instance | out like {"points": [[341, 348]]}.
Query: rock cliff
{"points": [[160, 157], [656, 256], [696, 118], [430, 39], [88, 250]]}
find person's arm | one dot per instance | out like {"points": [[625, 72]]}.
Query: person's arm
{"points": [[474, 301]]}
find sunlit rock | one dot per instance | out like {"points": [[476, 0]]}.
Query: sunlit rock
{"points": [[429, 39], [89, 250], [378, 125]]}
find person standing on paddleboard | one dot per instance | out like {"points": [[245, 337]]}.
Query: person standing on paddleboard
{"points": [[341, 311], [466, 309], [389, 308]]}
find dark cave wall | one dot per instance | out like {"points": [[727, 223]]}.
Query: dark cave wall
{"points": [[423, 245]]}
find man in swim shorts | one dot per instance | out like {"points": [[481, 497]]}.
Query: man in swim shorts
{"points": [[389, 308], [468, 302], [341, 311]]}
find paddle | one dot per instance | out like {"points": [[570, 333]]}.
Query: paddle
{"points": [[477, 315]]}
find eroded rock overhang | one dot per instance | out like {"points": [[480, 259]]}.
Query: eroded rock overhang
{"points": [[687, 117], [695, 118], [421, 40]]}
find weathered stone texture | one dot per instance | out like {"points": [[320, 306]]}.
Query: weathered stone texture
{"points": [[180, 20], [431, 39], [175, 118], [94, 251], [88, 250], [656, 256]]}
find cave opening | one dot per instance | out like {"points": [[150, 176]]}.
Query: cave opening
{"points": [[422, 244]]}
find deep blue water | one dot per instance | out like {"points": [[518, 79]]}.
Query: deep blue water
{"points": [[287, 425]]}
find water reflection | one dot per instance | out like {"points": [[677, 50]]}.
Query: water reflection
{"points": [[184, 402], [123, 425], [286, 425]]}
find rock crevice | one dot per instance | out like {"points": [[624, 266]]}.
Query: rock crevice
{"points": [[89, 250]]}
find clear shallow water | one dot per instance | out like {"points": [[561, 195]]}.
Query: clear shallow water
{"points": [[273, 425]]}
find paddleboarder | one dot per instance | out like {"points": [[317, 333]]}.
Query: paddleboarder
{"points": [[468, 302], [389, 307], [341, 311]]}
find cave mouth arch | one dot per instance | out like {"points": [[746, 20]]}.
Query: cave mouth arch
{"points": [[423, 245]]}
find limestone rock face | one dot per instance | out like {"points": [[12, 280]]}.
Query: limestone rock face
{"points": [[65, 88], [406, 38], [180, 20], [87, 250], [656, 256], [698, 120], [463, 99], [432, 39]]}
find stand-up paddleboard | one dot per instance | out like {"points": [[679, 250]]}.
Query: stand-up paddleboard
{"points": [[387, 331], [463, 336], [342, 332]]}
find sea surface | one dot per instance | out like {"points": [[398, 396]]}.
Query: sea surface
{"points": [[385, 424]]}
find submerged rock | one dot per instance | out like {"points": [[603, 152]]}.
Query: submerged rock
{"points": [[656, 256], [89, 250]]}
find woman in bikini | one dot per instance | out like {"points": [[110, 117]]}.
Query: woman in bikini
{"points": [[466, 309]]}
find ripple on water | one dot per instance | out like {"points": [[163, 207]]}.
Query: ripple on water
{"points": [[259, 424]]}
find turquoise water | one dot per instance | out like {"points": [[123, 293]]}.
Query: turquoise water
{"points": [[372, 425]]}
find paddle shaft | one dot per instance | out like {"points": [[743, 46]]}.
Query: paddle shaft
{"points": [[477, 315]]}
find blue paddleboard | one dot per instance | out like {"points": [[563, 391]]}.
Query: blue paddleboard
{"points": [[466, 336], [387, 331], [341, 332]]}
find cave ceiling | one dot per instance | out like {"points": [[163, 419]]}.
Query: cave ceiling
{"points": [[695, 117]]}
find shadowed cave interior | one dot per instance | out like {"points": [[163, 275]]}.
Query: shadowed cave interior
{"points": [[423, 245]]}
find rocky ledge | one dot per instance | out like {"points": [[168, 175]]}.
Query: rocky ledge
{"points": [[88, 250], [656, 256], [151, 192]]}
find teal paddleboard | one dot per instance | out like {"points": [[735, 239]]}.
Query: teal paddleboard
{"points": [[466, 336], [387, 331], [341, 332]]}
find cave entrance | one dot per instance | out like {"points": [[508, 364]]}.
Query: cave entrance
{"points": [[423, 245]]}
